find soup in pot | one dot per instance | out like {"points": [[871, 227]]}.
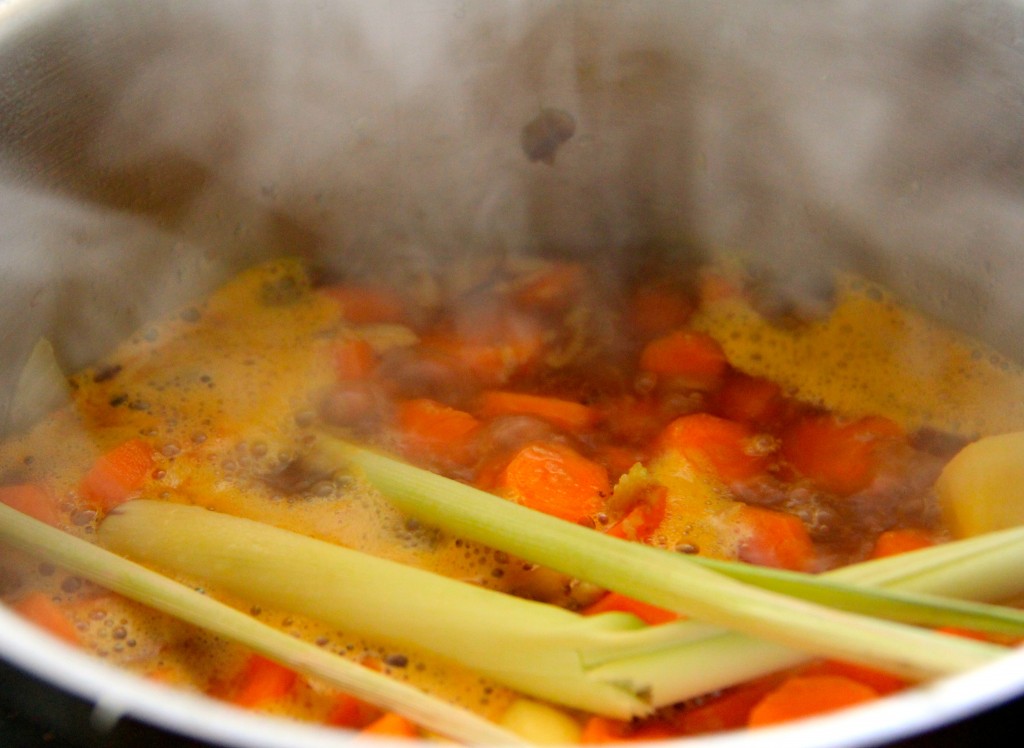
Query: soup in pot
{"points": [[695, 410]]}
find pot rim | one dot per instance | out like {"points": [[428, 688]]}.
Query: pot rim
{"points": [[116, 693]]}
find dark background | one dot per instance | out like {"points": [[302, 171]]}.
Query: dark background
{"points": [[33, 715]]}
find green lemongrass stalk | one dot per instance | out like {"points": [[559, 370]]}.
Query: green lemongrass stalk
{"points": [[668, 580], [607, 664], [155, 590], [935, 597], [536, 648]]}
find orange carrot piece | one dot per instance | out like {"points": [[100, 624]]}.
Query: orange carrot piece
{"points": [[566, 414], [692, 356], [893, 542], [555, 479], [807, 696], [749, 399], [775, 539], [364, 305], [435, 430], [552, 288], [598, 730], [718, 443], [354, 359], [837, 456], [615, 601], [118, 475], [262, 680], [630, 418], [33, 500], [391, 725], [352, 712], [654, 310], [728, 711], [491, 361], [881, 682], [41, 610]]}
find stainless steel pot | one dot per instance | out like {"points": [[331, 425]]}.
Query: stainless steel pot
{"points": [[147, 150]]}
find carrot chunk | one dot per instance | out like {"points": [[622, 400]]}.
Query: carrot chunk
{"points": [[837, 456], [118, 475], [45, 613], [881, 682], [391, 725], [354, 359], [555, 479], [598, 730], [365, 305], [435, 430], [262, 680], [806, 696], [352, 712], [775, 539], [749, 399], [565, 414], [692, 356], [728, 711], [723, 445], [893, 542], [33, 500], [615, 601]]}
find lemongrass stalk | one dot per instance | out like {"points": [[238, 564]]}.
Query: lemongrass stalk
{"points": [[932, 598], [157, 591], [668, 580], [536, 648]]}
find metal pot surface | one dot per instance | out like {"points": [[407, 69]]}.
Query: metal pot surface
{"points": [[147, 150]]}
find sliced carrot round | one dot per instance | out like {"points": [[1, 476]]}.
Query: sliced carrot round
{"points": [[807, 696], [555, 479], [692, 356], [722, 444]]}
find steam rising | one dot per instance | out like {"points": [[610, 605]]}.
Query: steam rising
{"points": [[144, 142]]}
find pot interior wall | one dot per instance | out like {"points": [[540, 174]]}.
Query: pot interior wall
{"points": [[148, 149]]}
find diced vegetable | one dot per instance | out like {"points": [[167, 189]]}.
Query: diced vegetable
{"points": [[45, 613], [806, 696], [775, 539], [391, 725], [349, 711], [980, 488], [692, 356], [750, 400], [565, 414], [839, 457], [892, 542], [118, 475], [33, 500], [555, 479], [540, 724], [262, 680], [616, 601], [725, 446], [435, 430]]}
